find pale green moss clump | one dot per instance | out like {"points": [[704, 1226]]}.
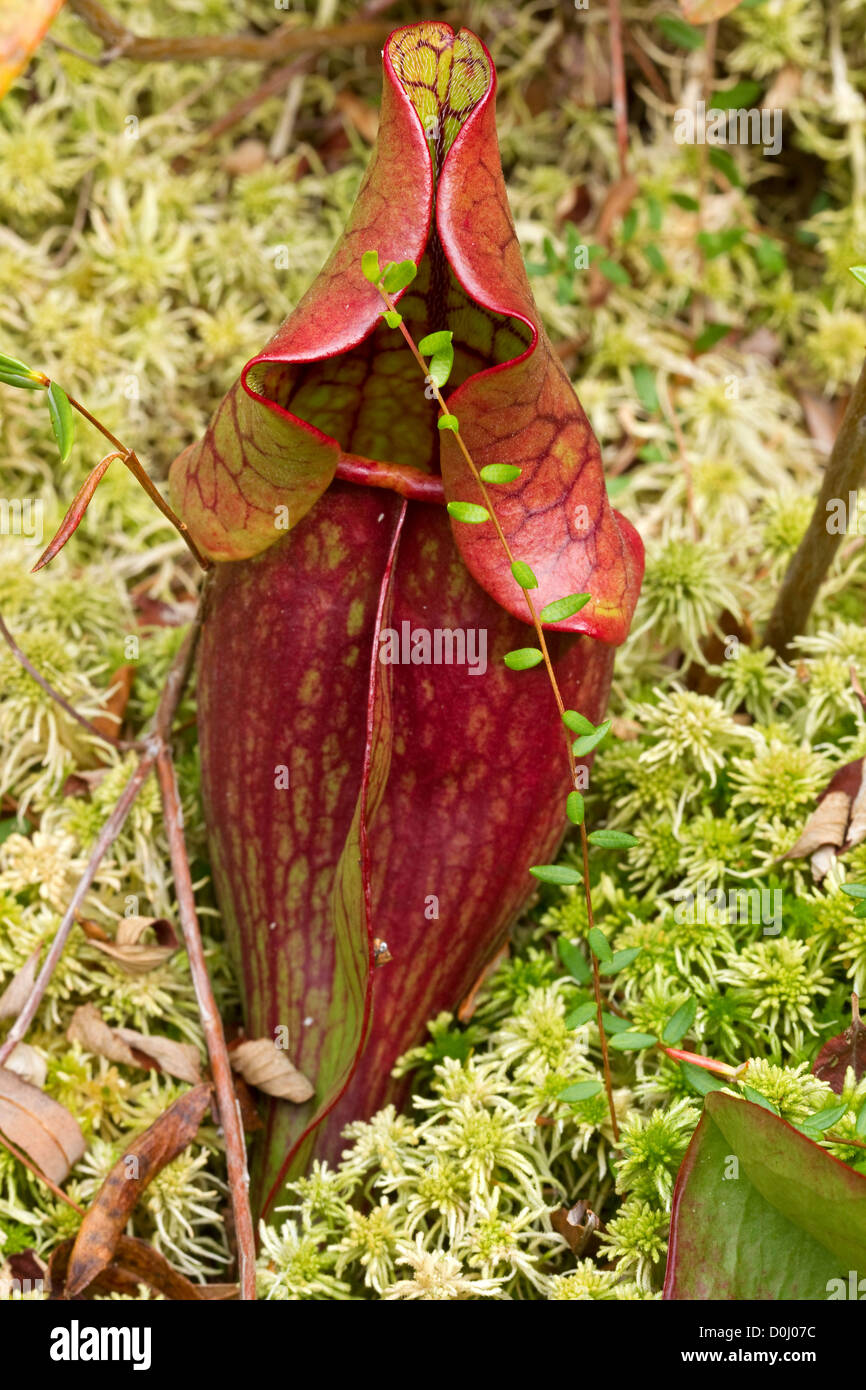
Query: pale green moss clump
{"points": [[180, 273]]}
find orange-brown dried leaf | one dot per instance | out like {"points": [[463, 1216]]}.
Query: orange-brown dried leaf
{"points": [[40, 1126], [102, 1227], [23, 24], [136, 1262], [265, 1066]]}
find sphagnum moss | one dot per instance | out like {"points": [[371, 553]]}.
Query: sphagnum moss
{"points": [[169, 280]]}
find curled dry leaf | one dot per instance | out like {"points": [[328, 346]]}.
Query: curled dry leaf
{"points": [[133, 955], [133, 1049], [17, 992], [135, 1263], [846, 1050], [267, 1067], [579, 1227], [102, 1227], [40, 1126], [29, 1064], [838, 821]]}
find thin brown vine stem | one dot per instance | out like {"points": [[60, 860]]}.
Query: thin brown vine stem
{"points": [[105, 839], [53, 694], [120, 42], [38, 1173], [131, 461], [227, 1105], [620, 99], [596, 978], [814, 555]]}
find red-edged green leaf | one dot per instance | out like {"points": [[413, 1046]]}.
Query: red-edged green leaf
{"points": [[73, 517], [23, 24], [761, 1212]]}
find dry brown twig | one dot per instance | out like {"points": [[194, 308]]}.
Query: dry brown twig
{"points": [[284, 42], [155, 753]]}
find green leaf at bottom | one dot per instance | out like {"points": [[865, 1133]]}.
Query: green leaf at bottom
{"points": [[761, 1212]]}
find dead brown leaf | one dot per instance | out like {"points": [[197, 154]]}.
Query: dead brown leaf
{"points": [[267, 1067], [364, 118], [133, 1049], [784, 89], [133, 955], [579, 1227], [838, 821], [135, 1263], [827, 825], [29, 1064], [246, 157], [102, 1227], [40, 1126], [108, 722], [17, 992], [705, 11], [846, 1050]]}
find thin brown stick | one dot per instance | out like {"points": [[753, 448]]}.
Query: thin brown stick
{"points": [[229, 1110], [620, 98], [107, 835], [78, 220], [49, 688], [281, 43], [814, 555]]}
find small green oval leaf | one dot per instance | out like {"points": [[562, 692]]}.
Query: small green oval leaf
{"points": [[631, 1042], [574, 961], [600, 945], [468, 512], [584, 1013], [500, 472], [523, 574], [574, 808], [62, 420], [370, 267], [577, 723], [399, 274], [587, 742], [563, 608], [680, 1022], [555, 873], [612, 839], [580, 1090], [523, 658]]}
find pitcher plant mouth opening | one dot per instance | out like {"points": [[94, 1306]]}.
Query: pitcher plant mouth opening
{"points": [[334, 394], [443, 78]]}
